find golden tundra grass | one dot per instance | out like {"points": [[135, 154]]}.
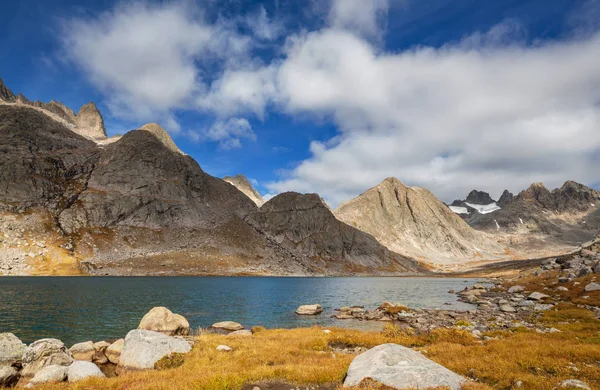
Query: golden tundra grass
{"points": [[306, 356]]}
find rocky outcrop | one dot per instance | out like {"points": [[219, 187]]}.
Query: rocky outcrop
{"points": [[413, 222], [241, 183], [162, 135], [479, 197], [5, 93], [90, 123], [400, 368], [506, 198], [161, 319], [43, 353], [305, 226], [143, 348]]}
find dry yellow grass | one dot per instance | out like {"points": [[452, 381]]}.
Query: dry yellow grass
{"points": [[309, 356]]}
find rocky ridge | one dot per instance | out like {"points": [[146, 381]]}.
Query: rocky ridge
{"points": [[413, 222], [241, 183]]}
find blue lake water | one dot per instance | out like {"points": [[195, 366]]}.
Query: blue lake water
{"points": [[76, 309]]}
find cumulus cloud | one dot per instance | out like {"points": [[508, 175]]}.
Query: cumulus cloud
{"points": [[361, 16], [227, 133], [486, 115]]}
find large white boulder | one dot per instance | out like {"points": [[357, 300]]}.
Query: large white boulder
{"points": [[161, 319], [49, 374], [400, 368], [11, 349], [143, 348], [43, 353], [80, 370], [113, 352], [309, 310]]}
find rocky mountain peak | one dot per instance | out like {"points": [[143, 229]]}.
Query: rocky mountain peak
{"points": [[479, 197], [241, 183], [413, 222], [5, 93], [537, 192], [506, 198], [90, 122], [162, 135]]}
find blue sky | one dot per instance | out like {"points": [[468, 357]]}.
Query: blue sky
{"points": [[332, 96]]}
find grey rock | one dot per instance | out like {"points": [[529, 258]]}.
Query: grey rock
{"points": [[230, 326], [507, 309], [585, 271], [9, 376], [43, 353], [309, 310], [573, 384], [537, 296], [240, 333], [400, 368], [592, 287], [11, 349], [50, 374], [143, 348], [80, 370], [224, 348]]}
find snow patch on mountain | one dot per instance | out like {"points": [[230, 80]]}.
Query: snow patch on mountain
{"points": [[484, 208]]}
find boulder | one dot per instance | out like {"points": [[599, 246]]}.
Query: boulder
{"points": [[161, 319], [49, 374], [537, 296], [143, 348], [11, 349], [230, 326], [516, 289], [113, 351], [400, 368], [309, 310], [592, 287], [9, 376], [43, 353], [83, 351], [224, 348], [80, 370], [99, 355], [240, 333]]}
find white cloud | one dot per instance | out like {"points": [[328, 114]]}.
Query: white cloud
{"points": [[361, 16], [464, 116], [228, 133]]}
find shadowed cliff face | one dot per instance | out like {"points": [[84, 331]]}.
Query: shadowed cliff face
{"points": [[137, 206], [305, 225], [413, 222]]}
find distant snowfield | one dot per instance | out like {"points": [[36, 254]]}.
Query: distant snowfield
{"points": [[484, 208], [459, 210]]}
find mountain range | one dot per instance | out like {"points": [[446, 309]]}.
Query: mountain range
{"points": [[74, 201]]}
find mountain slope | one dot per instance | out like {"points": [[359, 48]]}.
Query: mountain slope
{"points": [[241, 183], [413, 222], [304, 225]]}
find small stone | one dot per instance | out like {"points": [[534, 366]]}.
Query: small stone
{"points": [[516, 289], [227, 325], [574, 384], [592, 287], [224, 348], [83, 351], [80, 370], [537, 296], [561, 288], [507, 309], [49, 374], [326, 331], [240, 333]]}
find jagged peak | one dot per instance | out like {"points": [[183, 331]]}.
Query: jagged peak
{"points": [[162, 135], [240, 182], [5, 93], [90, 121]]}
